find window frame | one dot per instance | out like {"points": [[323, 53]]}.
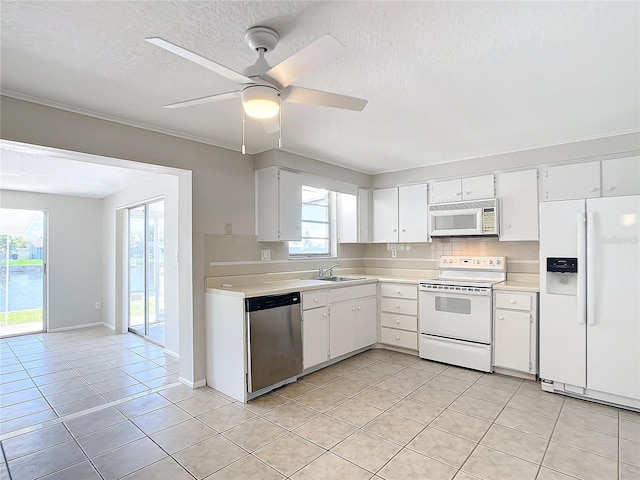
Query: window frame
{"points": [[330, 223]]}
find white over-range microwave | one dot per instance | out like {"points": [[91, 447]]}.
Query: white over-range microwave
{"points": [[461, 219]]}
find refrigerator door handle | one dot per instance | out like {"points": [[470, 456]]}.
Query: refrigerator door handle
{"points": [[580, 298], [591, 297]]}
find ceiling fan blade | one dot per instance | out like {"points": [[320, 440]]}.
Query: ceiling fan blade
{"points": [[325, 99], [200, 60], [271, 125], [207, 99], [303, 61]]}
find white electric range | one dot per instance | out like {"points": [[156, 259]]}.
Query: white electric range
{"points": [[456, 311]]}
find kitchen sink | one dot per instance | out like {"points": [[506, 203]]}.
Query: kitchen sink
{"points": [[338, 279]]}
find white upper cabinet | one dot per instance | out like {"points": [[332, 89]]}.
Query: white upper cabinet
{"points": [[347, 212], [353, 216], [364, 215], [518, 194], [412, 213], [278, 205], [446, 191], [462, 189], [478, 188], [400, 214], [385, 215], [572, 182], [621, 176]]}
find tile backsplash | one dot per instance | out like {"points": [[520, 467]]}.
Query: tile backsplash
{"points": [[241, 255]]}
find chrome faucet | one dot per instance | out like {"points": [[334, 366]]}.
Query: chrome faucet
{"points": [[323, 270]]}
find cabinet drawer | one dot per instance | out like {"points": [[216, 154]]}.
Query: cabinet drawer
{"points": [[399, 338], [349, 293], [399, 305], [318, 298], [403, 322], [399, 291], [513, 301]]}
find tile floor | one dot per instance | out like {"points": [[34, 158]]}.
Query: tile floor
{"points": [[91, 404]]}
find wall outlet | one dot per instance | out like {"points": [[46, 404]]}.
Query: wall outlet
{"points": [[394, 253], [228, 229], [265, 254], [98, 305]]}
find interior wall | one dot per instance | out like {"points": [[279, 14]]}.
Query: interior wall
{"points": [[218, 189], [74, 246], [165, 186]]}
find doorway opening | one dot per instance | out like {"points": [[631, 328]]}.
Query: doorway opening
{"points": [[22, 271], [146, 270]]}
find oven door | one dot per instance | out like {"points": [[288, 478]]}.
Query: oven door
{"points": [[456, 315], [455, 222]]}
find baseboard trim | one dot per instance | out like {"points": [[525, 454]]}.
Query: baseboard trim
{"points": [[110, 327], [198, 384], [75, 327], [172, 353]]}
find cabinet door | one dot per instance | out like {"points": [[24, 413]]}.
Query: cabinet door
{"points": [[572, 182], [445, 192], [518, 193], [342, 328], [347, 213], [290, 205], [512, 340], [364, 214], [412, 213], [477, 188], [621, 176], [366, 323], [315, 337], [385, 215]]}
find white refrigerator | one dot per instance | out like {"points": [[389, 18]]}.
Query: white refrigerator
{"points": [[590, 298]]}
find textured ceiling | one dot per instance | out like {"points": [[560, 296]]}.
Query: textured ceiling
{"points": [[445, 80], [46, 170]]}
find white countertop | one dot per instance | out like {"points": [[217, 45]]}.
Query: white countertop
{"points": [[301, 285], [517, 286]]}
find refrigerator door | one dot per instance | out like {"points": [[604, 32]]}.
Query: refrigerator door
{"points": [[563, 295], [613, 286]]}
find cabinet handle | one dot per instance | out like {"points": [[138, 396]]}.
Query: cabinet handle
{"points": [[397, 306], [353, 309], [468, 193], [395, 229], [458, 194], [324, 314], [398, 322], [508, 226], [315, 300], [500, 317], [397, 337], [358, 308], [593, 189], [398, 292], [512, 301], [404, 229], [610, 188]]}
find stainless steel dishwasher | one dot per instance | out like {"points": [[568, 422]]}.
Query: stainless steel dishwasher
{"points": [[274, 331]]}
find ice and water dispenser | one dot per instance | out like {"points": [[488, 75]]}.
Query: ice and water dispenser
{"points": [[562, 275]]}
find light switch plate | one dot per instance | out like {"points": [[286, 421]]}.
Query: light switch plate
{"points": [[265, 254]]}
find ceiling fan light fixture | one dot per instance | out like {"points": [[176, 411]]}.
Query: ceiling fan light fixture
{"points": [[261, 101]]}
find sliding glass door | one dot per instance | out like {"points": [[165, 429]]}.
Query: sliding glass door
{"points": [[146, 270], [22, 271]]}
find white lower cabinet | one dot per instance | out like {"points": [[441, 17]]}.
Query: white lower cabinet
{"points": [[399, 315], [353, 321], [315, 328], [515, 331]]}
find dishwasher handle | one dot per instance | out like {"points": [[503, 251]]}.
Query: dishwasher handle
{"points": [[256, 304]]}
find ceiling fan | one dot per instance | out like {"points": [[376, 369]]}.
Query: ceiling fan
{"points": [[262, 87]]}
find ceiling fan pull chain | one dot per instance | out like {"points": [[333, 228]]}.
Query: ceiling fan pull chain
{"points": [[243, 121], [280, 119]]}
